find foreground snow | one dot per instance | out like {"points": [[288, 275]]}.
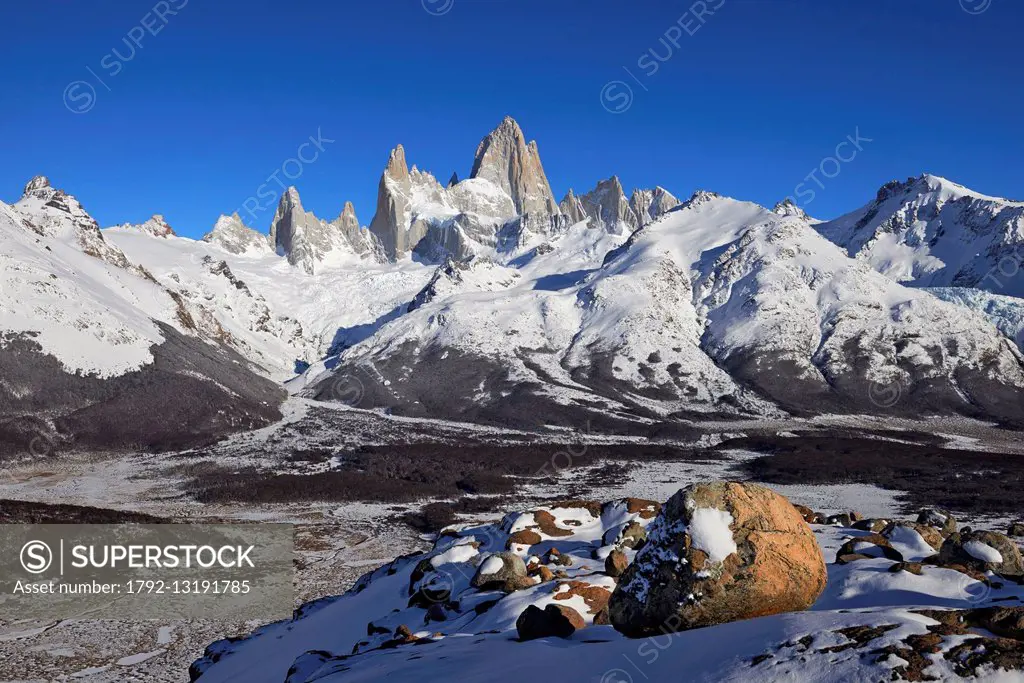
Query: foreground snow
{"points": [[471, 633]]}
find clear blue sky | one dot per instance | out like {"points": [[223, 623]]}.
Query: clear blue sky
{"points": [[748, 105]]}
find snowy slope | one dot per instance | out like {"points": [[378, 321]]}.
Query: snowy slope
{"points": [[935, 233], [274, 313], [77, 296], [97, 352], [714, 299]]}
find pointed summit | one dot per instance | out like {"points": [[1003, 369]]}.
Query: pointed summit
{"points": [[156, 226], [454, 180], [307, 240], [505, 159], [397, 169], [648, 205], [787, 207], [40, 182], [292, 229], [233, 236], [390, 223], [608, 208], [348, 215], [572, 208], [347, 233]]}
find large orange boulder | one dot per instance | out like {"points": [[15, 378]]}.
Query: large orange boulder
{"points": [[719, 552]]}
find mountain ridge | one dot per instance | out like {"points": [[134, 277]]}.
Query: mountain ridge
{"points": [[627, 311]]}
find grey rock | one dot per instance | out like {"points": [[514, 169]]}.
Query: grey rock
{"points": [[38, 183], [232, 235], [572, 208], [510, 576], [788, 208], [954, 551], [156, 226], [649, 205], [307, 240], [507, 160], [607, 207], [391, 223], [942, 520]]}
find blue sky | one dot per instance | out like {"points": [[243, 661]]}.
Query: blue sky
{"points": [[747, 101]]}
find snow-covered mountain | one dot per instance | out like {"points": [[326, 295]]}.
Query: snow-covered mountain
{"points": [[506, 203], [932, 232], [485, 299], [718, 307], [95, 353]]}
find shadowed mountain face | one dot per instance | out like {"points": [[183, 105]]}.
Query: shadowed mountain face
{"points": [[192, 394], [97, 355]]}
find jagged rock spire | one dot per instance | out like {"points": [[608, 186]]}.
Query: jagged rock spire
{"points": [[572, 208], [391, 220], [306, 240], [649, 205], [607, 207], [505, 159]]}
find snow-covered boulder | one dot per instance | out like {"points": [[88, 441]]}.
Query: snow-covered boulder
{"points": [[502, 571], [939, 519], [719, 552], [982, 551]]}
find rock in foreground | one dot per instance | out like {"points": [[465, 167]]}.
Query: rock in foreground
{"points": [[554, 620], [719, 552]]}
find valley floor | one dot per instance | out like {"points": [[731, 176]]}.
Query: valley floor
{"points": [[363, 488]]}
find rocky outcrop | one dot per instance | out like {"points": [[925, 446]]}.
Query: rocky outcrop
{"points": [[233, 236], [307, 240], [572, 208], [616, 563], [295, 232], [50, 212], [943, 520], [649, 205], [38, 184], [348, 234], [505, 203], [788, 208], [156, 226], [607, 207], [719, 552], [507, 160]]}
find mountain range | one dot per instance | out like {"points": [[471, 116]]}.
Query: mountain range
{"points": [[486, 299]]}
